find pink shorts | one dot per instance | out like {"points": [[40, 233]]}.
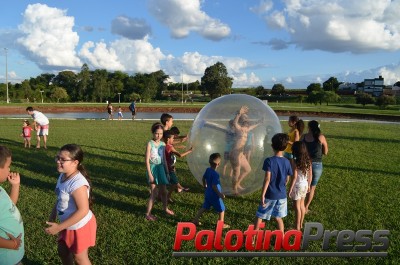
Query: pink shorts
{"points": [[80, 239], [42, 130]]}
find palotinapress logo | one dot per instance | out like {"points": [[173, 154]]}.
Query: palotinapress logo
{"points": [[293, 243]]}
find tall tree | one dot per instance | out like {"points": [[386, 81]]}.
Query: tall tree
{"points": [[100, 85], [83, 79], [67, 80], [216, 80], [332, 84], [277, 89], [313, 87]]}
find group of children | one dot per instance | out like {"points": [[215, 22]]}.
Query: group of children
{"points": [[293, 159], [77, 227]]}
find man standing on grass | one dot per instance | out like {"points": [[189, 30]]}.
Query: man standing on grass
{"points": [[40, 125]]}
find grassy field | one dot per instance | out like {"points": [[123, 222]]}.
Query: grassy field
{"points": [[358, 190]]}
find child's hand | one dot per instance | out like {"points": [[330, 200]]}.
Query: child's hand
{"points": [[14, 178], [16, 240], [52, 229], [222, 196], [151, 179], [262, 203]]}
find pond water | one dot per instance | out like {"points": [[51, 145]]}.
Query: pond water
{"points": [[156, 116]]}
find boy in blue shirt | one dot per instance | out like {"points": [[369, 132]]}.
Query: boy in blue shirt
{"points": [[212, 196], [277, 172]]}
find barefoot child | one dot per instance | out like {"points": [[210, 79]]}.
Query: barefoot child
{"points": [[302, 177], [156, 171], [170, 151], [273, 197], [26, 133], [212, 196]]}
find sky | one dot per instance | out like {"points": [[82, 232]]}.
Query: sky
{"points": [[261, 42]]}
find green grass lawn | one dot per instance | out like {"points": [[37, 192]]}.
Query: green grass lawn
{"points": [[358, 190]]}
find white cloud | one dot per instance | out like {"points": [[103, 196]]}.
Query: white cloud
{"points": [[184, 16], [12, 74], [289, 80], [193, 64], [123, 55], [244, 80], [339, 25], [391, 74], [263, 7], [48, 38], [131, 28]]}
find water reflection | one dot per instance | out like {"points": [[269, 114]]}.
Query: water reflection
{"points": [[156, 116]]}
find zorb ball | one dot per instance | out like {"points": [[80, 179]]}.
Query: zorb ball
{"points": [[215, 131]]}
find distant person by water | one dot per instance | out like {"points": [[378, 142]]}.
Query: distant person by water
{"points": [[132, 108], [110, 111]]}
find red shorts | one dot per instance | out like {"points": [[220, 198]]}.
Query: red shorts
{"points": [[80, 239]]}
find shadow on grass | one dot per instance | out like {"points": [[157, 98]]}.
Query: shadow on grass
{"points": [[362, 170], [364, 139]]}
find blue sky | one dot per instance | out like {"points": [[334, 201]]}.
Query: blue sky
{"points": [[261, 42]]}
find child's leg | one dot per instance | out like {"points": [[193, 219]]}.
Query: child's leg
{"points": [[38, 141], [310, 197], [257, 223], [297, 209], [29, 143], [281, 226], [82, 258], [171, 190], [64, 253], [221, 216], [197, 217], [302, 211], [163, 190], [150, 203]]}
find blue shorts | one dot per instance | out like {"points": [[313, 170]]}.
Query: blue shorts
{"points": [[173, 179], [217, 204], [288, 155], [275, 208], [316, 172]]}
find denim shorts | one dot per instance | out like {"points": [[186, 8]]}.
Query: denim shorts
{"points": [[316, 172], [288, 155], [275, 208]]}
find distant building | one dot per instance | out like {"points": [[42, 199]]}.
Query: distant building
{"points": [[373, 86]]}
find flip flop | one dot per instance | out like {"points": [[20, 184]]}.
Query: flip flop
{"points": [[226, 226]]}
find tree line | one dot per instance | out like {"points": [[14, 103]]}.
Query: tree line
{"points": [[100, 86]]}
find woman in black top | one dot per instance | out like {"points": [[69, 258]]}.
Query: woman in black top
{"points": [[317, 146]]}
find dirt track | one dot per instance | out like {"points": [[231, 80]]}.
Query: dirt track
{"points": [[52, 109]]}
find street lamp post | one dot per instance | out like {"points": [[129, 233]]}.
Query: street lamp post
{"points": [[119, 97], [8, 99], [41, 95], [182, 85]]}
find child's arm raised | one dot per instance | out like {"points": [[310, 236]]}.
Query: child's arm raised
{"points": [[173, 150], [14, 180]]}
